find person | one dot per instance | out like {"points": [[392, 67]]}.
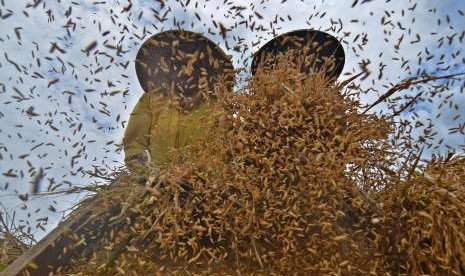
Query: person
{"points": [[313, 51], [178, 71], [309, 51]]}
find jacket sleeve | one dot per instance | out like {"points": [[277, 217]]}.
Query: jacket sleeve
{"points": [[137, 135]]}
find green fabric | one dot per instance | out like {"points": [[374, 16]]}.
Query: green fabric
{"points": [[156, 126]]}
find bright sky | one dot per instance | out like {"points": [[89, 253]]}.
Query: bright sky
{"points": [[82, 102]]}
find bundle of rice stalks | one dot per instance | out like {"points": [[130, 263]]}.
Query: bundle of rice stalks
{"points": [[13, 239], [10, 249], [425, 221], [267, 192], [292, 179]]}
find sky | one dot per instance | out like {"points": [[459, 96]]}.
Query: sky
{"points": [[64, 111]]}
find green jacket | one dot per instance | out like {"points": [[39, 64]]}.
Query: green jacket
{"points": [[159, 127]]}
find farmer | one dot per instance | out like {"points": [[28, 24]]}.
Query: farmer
{"points": [[314, 51], [310, 52], [178, 70]]}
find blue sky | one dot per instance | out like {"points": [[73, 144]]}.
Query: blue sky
{"points": [[97, 142]]}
